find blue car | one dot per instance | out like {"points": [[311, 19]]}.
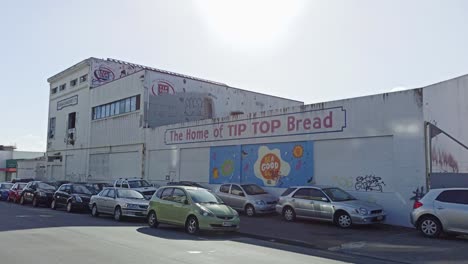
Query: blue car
{"points": [[4, 189]]}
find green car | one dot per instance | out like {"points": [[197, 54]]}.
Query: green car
{"points": [[194, 208]]}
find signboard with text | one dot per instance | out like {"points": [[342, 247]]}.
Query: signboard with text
{"points": [[308, 122]]}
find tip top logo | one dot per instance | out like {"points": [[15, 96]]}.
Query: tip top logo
{"points": [[162, 88], [103, 74]]}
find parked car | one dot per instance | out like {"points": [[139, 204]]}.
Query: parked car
{"points": [[186, 183], [73, 197], [138, 185], [37, 193], [98, 186], [4, 189], [328, 203], [250, 198], [57, 184], [119, 202], [15, 192], [193, 208], [442, 210]]}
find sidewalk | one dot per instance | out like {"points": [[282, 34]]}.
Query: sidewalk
{"points": [[398, 244]]}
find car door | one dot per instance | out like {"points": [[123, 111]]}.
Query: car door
{"points": [[323, 208], [110, 202], [99, 200], [162, 209], [302, 203], [60, 194], [451, 207], [237, 197], [177, 209]]}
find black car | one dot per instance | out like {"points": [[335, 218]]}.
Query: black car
{"points": [[73, 196], [37, 193]]}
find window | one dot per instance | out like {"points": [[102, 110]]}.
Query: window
{"points": [[236, 190], [118, 184], [126, 105], [71, 120], [54, 90], [125, 185], [62, 87], [62, 188], [104, 193], [158, 193], [224, 188], [73, 82], [288, 191], [111, 193], [178, 196], [453, 196], [52, 127], [84, 78], [316, 195], [166, 194], [302, 194]]}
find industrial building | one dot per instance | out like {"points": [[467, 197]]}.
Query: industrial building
{"points": [[387, 148]]}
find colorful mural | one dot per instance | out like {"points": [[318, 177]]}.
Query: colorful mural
{"points": [[272, 165]]}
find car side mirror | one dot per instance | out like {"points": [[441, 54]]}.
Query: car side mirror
{"points": [[186, 202], [241, 194]]}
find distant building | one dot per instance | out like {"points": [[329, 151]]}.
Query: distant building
{"points": [[8, 161]]}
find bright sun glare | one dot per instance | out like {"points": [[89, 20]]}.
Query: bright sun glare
{"points": [[250, 24]]}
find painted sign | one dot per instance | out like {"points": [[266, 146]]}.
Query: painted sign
{"points": [[67, 102], [309, 122], [272, 165], [103, 72], [162, 87]]}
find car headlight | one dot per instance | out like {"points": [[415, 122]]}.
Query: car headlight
{"points": [[260, 202], [78, 199], [131, 206], [362, 211], [205, 212]]}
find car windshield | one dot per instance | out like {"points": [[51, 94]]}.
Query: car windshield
{"points": [[83, 189], [21, 186], [338, 195], [129, 194], [252, 189], [45, 186], [6, 186], [138, 184], [204, 196]]}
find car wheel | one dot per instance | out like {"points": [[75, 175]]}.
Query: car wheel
{"points": [[430, 226], [22, 200], [53, 206], [343, 220], [153, 220], [191, 226], [118, 214], [69, 207], [34, 202], [249, 210], [289, 214], [94, 211]]}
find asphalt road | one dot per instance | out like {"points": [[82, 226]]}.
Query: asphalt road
{"points": [[41, 235]]}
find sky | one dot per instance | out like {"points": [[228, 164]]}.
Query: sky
{"points": [[308, 50]]}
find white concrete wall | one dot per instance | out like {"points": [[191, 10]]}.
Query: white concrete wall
{"points": [[380, 136], [446, 106]]}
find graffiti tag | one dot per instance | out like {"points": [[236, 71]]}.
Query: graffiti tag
{"points": [[369, 183]]}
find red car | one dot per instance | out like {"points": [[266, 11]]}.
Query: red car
{"points": [[15, 192]]}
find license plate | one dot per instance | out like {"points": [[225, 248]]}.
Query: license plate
{"points": [[227, 224], [379, 217]]}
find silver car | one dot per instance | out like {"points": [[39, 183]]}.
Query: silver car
{"points": [[328, 203], [119, 203], [138, 185], [250, 198], [442, 210]]}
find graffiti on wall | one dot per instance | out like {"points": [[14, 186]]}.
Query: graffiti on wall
{"points": [[272, 165], [443, 160], [369, 183], [418, 194]]}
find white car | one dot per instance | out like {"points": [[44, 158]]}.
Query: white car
{"points": [[139, 185]]}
